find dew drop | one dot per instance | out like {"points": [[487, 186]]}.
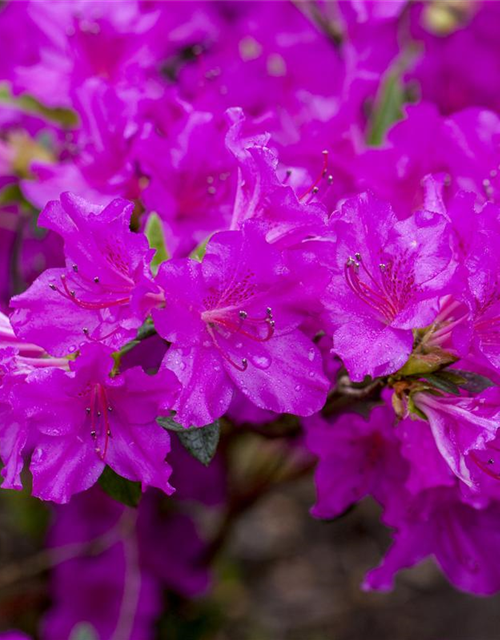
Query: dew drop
{"points": [[38, 455], [261, 362], [182, 366], [298, 387], [311, 354]]}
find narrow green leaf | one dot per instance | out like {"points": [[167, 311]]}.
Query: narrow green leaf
{"points": [[473, 382], [156, 239], [120, 489], [442, 384], [201, 442], [199, 251], [387, 109], [28, 104], [171, 424]]}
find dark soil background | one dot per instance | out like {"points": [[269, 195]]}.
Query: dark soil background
{"points": [[281, 576], [300, 581]]}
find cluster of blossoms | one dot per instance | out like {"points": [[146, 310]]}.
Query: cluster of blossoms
{"points": [[239, 211]]}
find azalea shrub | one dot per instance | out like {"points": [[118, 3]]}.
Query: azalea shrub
{"points": [[243, 243]]}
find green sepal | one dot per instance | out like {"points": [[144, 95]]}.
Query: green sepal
{"points": [[156, 238], [201, 442], [120, 489]]}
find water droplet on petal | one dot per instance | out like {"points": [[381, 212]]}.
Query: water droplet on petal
{"points": [[311, 354], [261, 362], [38, 455], [298, 387], [72, 349], [182, 366]]}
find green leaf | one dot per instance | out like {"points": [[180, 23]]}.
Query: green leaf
{"points": [[442, 384], [170, 424], [84, 631], [201, 442], [27, 104], [199, 251], [473, 382], [387, 110], [120, 489], [156, 239], [391, 96]]}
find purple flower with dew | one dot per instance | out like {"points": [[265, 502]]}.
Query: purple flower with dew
{"points": [[233, 322], [81, 420], [388, 276], [106, 289]]}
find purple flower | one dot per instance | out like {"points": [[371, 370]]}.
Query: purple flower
{"points": [[105, 291], [134, 555], [388, 277], [461, 426], [462, 539], [82, 420], [233, 322], [357, 457], [97, 160], [263, 197], [80, 40], [192, 179]]}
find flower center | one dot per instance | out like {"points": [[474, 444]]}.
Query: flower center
{"points": [[386, 292], [228, 322], [98, 412]]}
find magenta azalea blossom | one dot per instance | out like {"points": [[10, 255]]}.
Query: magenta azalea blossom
{"points": [[388, 277], [105, 291], [369, 446], [83, 420], [233, 322], [460, 426], [461, 538]]}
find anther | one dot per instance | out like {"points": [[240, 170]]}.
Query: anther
{"points": [[358, 257], [211, 191], [244, 362], [72, 293], [382, 266], [314, 190], [109, 433], [98, 414], [93, 434], [96, 279], [288, 173], [488, 190], [210, 179], [243, 315], [110, 409], [271, 323], [85, 331], [491, 461], [269, 312], [75, 268], [330, 179], [52, 286], [87, 409]]}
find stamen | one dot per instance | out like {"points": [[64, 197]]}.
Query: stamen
{"points": [[315, 184]]}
